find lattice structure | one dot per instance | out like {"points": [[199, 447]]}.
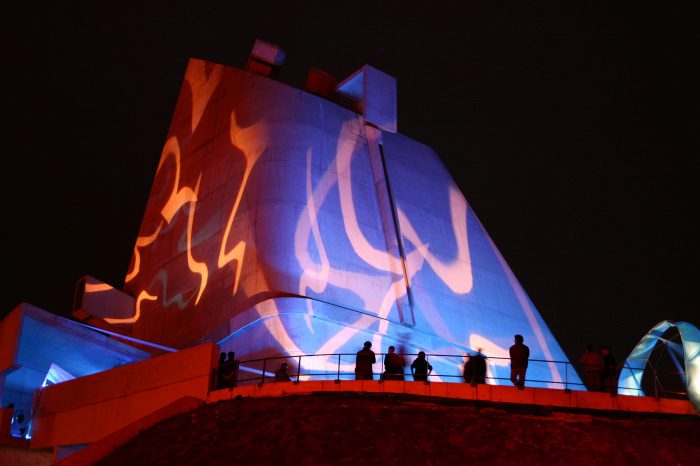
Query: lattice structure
{"points": [[630, 381]]}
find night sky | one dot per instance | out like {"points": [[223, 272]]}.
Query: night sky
{"points": [[565, 126]]}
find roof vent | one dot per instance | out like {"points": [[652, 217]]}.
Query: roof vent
{"points": [[265, 59], [320, 83]]}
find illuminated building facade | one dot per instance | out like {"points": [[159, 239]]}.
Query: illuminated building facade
{"points": [[284, 222]]}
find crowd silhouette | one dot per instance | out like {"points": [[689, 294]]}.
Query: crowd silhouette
{"points": [[598, 367]]}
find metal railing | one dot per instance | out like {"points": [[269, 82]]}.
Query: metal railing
{"points": [[649, 381], [340, 366]]}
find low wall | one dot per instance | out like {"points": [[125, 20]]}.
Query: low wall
{"points": [[16, 456], [98, 450], [574, 399], [86, 409]]}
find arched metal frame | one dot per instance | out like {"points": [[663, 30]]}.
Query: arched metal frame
{"points": [[630, 381]]}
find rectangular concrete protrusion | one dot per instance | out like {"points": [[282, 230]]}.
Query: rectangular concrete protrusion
{"points": [[320, 83], [376, 93], [268, 53], [265, 59], [97, 299]]}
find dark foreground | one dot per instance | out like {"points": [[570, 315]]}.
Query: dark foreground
{"points": [[360, 429]]}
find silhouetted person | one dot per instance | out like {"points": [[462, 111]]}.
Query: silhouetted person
{"points": [[220, 370], [475, 369], [363, 362], [230, 370], [393, 365], [282, 374], [609, 383], [592, 363], [469, 371], [421, 368], [519, 355]]}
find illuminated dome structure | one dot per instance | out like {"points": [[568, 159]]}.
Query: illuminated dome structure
{"points": [[284, 221], [685, 356]]}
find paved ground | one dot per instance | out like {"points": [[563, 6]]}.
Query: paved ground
{"points": [[361, 429]]}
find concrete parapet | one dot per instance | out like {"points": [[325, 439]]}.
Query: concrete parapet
{"points": [[86, 409], [103, 447], [575, 400]]}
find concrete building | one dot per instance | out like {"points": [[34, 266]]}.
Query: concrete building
{"points": [[284, 221]]}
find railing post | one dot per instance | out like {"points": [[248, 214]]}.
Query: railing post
{"points": [[566, 377], [299, 368], [337, 380], [627, 366], [262, 381], [656, 383]]}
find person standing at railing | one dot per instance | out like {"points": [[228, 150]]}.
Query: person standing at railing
{"points": [[363, 362], [475, 368], [609, 371], [519, 355], [421, 368], [282, 374], [230, 370], [220, 371], [393, 365], [592, 363]]}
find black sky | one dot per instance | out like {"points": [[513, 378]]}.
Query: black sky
{"points": [[569, 129]]}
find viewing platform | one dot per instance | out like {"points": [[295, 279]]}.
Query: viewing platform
{"points": [[106, 409]]}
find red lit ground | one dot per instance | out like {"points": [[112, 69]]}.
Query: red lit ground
{"points": [[359, 429]]}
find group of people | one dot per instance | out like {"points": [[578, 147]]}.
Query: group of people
{"points": [[519, 352], [227, 370], [600, 369], [394, 364], [474, 368]]}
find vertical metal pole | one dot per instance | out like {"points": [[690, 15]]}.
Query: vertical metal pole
{"points": [[338, 379], [656, 384], [263, 371], [566, 376], [298, 368]]}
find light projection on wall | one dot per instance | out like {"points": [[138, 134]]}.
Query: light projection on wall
{"points": [[630, 379], [281, 223]]}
